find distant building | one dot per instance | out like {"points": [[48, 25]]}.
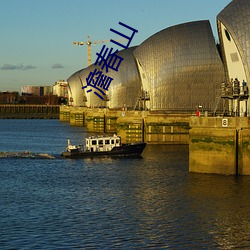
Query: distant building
{"points": [[30, 90], [39, 95], [9, 97], [47, 90], [37, 90], [41, 100], [60, 89]]}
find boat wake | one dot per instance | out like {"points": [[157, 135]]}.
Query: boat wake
{"points": [[26, 154]]}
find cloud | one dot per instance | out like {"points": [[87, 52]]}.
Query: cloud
{"points": [[7, 66], [57, 66], [29, 67]]}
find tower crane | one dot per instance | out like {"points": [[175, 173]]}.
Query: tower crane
{"points": [[89, 43]]}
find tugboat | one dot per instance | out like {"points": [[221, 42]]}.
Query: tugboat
{"points": [[96, 146]]}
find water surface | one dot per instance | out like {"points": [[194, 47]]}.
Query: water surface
{"points": [[148, 203]]}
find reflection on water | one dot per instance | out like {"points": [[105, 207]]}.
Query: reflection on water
{"points": [[224, 201], [107, 203]]}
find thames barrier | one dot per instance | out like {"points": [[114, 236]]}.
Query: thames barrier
{"points": [[174, 75]]}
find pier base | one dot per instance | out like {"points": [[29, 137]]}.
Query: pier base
{"points": [[132, 126], [219, 145]]}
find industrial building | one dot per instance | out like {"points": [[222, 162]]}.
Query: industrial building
{"points": [[40, 95], [37, 90], [9, 97], [60, 89]]}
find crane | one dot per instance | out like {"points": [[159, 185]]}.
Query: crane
{"points": [[89, 43]]}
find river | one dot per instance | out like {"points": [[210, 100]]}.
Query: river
{"points": [[48, 202]]}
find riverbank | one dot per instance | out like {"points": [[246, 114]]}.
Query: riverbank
{"points": [[25, 111]]}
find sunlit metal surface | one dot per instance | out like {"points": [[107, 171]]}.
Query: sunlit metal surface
{"points": [[125, 87], [180, 67], [76, 93], [234, 33], [236, 18], [92, 100], [124, 90]]}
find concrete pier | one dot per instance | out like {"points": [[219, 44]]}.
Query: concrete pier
{"points": [[64, 114], [167, 129], [219, 145], [132, 126]]}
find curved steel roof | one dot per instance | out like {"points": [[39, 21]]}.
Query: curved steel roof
{"points": [[92, 99], [124, 90], [236, 18], [76, 93], [180, 67]]}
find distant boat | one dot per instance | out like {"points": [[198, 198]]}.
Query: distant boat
{"points": [[101, 146]]}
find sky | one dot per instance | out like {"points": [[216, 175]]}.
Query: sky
{"points": [[36, 35]]}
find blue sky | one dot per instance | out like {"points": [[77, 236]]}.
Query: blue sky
{"points": [[36, 35]]}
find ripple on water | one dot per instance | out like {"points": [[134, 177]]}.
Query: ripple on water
{"points": [[145, 203]]}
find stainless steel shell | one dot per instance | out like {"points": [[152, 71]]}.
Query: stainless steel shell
{"points": [[124, 90], [76, 93], [236, 18], [180, 67]]}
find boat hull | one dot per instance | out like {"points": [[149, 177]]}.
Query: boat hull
{"points": [[126, 150]]}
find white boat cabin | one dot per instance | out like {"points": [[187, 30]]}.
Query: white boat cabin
{"points": [[104, 143]]}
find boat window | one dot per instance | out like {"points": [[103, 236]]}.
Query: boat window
{"points": [[100, 142], [112, 141], [93, 142], [107, 142], [117, 141]]}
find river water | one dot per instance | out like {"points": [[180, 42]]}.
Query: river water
{"points": [[150, 203]]}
